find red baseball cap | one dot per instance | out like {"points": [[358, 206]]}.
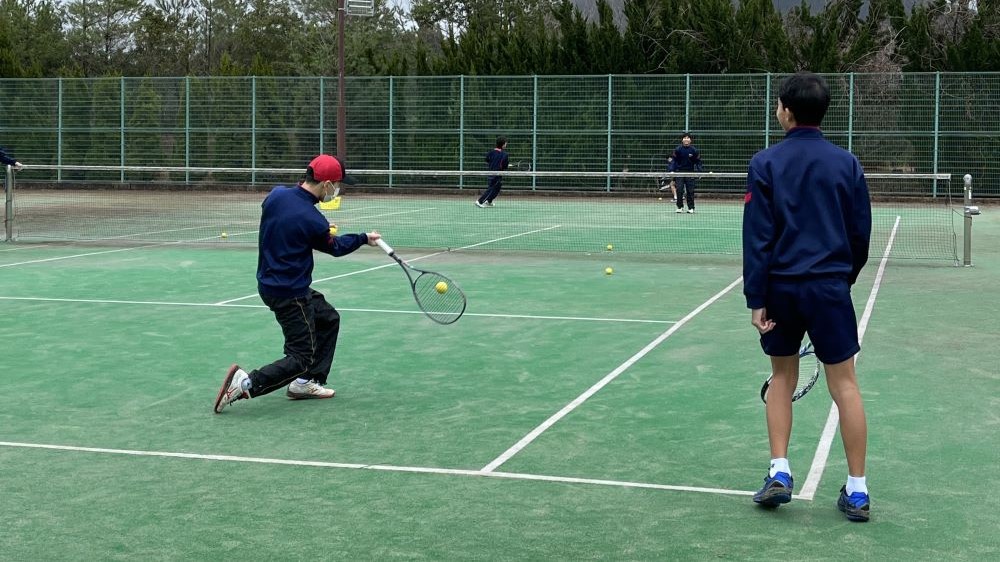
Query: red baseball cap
{"points": [[329, 168]]}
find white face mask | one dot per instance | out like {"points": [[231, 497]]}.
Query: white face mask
{"points": [[331, 196]]}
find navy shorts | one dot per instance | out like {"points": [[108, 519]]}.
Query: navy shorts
{"points": [[821, 308]]}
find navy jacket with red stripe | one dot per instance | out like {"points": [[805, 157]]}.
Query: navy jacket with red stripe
{"points": [[807, 214], [291, 227]]}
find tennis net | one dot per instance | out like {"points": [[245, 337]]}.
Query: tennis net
{"points": [[537, 210]]}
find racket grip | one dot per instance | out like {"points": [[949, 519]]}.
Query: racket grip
{"points": [[385, 247]]}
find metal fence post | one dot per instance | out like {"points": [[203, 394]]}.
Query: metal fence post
{"points": [[253, 129], [850, 113], [322, 87], [187, 128], [608, 158], [534, 129], [461, 130], [391, 88], [59, 131], [8, 216], [687, 103], [767, 111], [121, 126], [937, 124]]}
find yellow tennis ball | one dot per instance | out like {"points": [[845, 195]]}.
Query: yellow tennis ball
{"points": [[224, 235], [659, 199], [608, 271], [333, 229], [610, 247], [441, 287]]}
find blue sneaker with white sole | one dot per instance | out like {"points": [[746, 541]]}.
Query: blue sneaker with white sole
{"points": [[855, 506], [777, 490]]}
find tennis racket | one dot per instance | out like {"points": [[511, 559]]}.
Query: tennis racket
{"points": [[808, 374], [440, 298], [522, 166]]}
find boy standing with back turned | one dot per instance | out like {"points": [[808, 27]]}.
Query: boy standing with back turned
{"points": [[806, 230]]}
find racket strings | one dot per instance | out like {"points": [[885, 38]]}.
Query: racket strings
{"points": [[808, 374], [444, 306]]}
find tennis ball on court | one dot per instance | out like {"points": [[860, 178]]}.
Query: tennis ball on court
{"points": [[659, 199], [224, 235], [608, 271], [610, 247], [441, 287]]}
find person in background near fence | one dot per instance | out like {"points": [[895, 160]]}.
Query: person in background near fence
{"points": [[668, 182], [6, 160], [686, 159], [806, 231], [291, 227], [496, 160]]}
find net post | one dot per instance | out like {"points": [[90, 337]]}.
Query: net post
{"points": [[970, 211], [8, 216]]}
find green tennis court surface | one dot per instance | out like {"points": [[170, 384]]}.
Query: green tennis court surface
{"points": [[569, 415]]}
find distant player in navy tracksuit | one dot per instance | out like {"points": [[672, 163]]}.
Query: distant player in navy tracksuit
{"points": [[496, 160], [6, 160], [291, 228], [686, 158], [806, 230]]}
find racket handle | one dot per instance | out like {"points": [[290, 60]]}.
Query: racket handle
{"points": [[385, 247]]}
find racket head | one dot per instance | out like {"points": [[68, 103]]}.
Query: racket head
{"points": [[443, 307], [522, 166], [809, 369]]}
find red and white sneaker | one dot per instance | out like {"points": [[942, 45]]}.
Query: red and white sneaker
{"points": [[232, 388]]}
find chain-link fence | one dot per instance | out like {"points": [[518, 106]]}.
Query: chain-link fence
{"points": [[901, 123]]}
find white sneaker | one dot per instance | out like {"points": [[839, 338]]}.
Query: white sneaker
{"points": [[480, 205], [232, 388], [311, 389], [690, 210], [679, 210]]}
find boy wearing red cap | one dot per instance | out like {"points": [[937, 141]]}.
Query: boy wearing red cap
{"points": [[291, 227]]}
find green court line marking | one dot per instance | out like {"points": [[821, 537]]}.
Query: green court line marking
{"points": [[830, 429], [390, 264], [373, 310], [383, 467], [527, 439]]}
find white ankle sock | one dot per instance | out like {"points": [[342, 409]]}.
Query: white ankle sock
{"points": [[301, 381], [779, 465], [856, 484]]}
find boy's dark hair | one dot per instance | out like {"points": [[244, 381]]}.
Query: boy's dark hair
{"points": [[807, 96], [501, 141], [688, 135]]}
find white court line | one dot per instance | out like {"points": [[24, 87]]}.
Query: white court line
{"points": [[390, 264], [381, 467], [158, 244], [22, 247], [527, 439], [174, 242], [77, 255], [833, 419], [374, 310]]}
